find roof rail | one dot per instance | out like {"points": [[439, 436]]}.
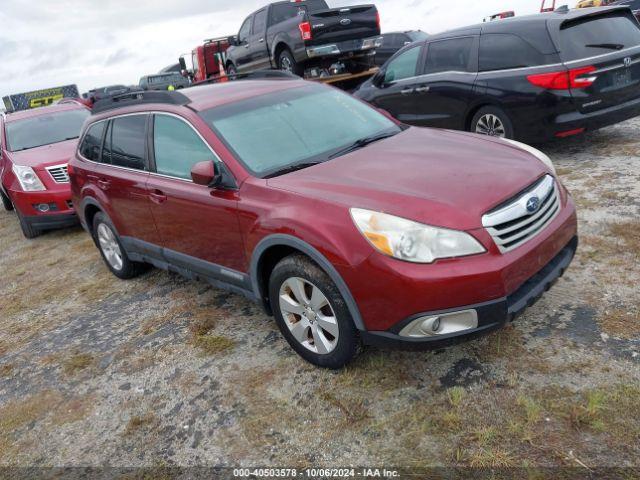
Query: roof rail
{"points": [[257, 75], [139, 97]]}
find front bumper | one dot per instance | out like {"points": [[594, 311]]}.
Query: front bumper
{"points": [[343, 48], [490, 315], [60, 212]]}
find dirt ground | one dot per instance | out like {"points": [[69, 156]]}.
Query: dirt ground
{"points": [[162, 371]]}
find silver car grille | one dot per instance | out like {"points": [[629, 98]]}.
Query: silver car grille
{"points": [[59, 173], [523, 218]]}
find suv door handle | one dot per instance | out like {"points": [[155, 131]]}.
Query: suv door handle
{"points": [[157, 196], [407, 91], [261, 40], [104, 184], [424, 89]]}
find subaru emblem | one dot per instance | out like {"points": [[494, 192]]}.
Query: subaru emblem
{"points": [[533, 204], [345, 21], [627, 62]]}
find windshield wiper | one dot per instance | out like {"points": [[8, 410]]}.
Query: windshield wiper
{"points": [[361, 143], [609, 46], [292, 168]]}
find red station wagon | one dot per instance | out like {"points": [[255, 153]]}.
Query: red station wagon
{"points": [[349, 227], [35, 147]]}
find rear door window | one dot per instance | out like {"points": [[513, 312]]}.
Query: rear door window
{"points": [[128, 140], [403, 66], [177, 147], [501, 51], [92, 142], [591, 36], [260, 22], [453, 55]]}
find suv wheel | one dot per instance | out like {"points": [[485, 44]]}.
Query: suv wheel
{"points": [[6, 202], [27, 230], [311, 313], [231, 70], [492, 121], [111, 249], [287, 63]]}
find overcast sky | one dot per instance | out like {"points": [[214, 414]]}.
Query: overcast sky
{"points": [[46, 43]]}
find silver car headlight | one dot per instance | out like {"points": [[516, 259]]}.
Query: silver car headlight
{"points": [[411, 241], [28, 179], [544, 158]]}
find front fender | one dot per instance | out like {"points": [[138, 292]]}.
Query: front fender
{"points": [[304, 247]]}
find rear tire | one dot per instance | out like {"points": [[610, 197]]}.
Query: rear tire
{"points": [[311, 313], [231, 70], [6, 202], [287, 63], [113, 254], [492, 121], [27, 230]]}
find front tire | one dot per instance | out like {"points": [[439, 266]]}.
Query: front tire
{"points": [[231, 70], [287, 63], [6, 202], [311, 313], [492, 121], [111, 249], [27, 230]]}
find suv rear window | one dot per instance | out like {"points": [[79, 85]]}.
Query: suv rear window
{"points": [[591, 36], [449, 55], [92, 142], [500, 51]]}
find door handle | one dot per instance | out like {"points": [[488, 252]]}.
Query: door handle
{"points": [[261, 40], [423, 89], [157, 196], [104, 184], [407, 91], [246, 46]]}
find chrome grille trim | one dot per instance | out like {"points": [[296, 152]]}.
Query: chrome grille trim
{"points": [[512, 225], [59, 173]]}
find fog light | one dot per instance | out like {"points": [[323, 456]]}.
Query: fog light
{"points": [[42, 207], [444, 324]]}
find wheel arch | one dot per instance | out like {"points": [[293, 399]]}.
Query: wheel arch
{"points": [[89, 208], [279, 47], [274, 248]]}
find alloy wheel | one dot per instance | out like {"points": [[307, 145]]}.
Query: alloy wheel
{"points": [[286, 65], [110, 246], [309, 315], [491, 125]]}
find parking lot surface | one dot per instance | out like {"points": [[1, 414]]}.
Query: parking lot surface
{"points": [[163, 371]]}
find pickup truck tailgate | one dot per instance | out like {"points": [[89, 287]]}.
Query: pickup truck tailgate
{"points": [[342, 24]]}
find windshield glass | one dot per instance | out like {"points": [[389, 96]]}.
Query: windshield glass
{"points": [[44, 129], [298, 126]]}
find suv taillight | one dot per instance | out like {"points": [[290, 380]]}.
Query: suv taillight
{"points": [[564, 80], [305, 31]]}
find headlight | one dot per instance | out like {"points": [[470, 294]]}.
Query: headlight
{"points": [[535, 152], [411, 241], [28, 179]]}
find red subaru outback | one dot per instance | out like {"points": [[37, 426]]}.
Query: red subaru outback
{"points": [[349, 227], [35, 147]]}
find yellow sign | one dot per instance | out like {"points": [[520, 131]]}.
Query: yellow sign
{"points": [[591, 3], [44, 101]]}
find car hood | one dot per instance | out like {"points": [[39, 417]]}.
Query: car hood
{"points": [[45, 156], [438, 177]]}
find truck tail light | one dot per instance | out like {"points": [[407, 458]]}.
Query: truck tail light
{"points": [[564, 80], [378, 20], [305, 31]]}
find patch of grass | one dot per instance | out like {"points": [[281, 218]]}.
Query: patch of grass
{"points": [[354, 410], [77, 362], [589, 413], [532, 409], [137, 423], [212, 344], [629, 233], [621, 322], [6, 370], [492, 458], [456, 396]]}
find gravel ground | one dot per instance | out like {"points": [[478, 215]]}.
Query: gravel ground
{"points": [[160, 371]]}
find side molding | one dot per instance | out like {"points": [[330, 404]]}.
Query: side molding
{"points": [[316, 256]]}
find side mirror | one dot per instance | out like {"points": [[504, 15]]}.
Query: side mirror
{"points": [[379, 78], [183, 64], [233, 41], [205, 173]]}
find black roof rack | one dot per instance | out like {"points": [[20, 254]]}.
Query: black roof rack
{"points": [[257, 75], [139, 97]]}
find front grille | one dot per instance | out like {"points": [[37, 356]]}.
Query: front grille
{"points": [[512, 224], [59, 173]]}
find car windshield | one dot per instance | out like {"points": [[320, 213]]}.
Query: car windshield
{"points": [[44, 129], [300, 126]]}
